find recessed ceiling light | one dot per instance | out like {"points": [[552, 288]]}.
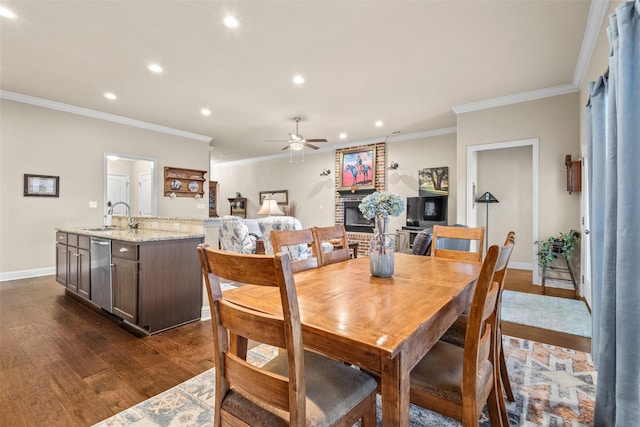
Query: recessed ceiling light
{"points": [[342, 135], [298, 79], [231, 22], [379, 123], [205, 112], [7, 13], [155, 68], [110, 95]]}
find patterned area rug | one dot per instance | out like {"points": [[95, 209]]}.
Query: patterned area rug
{"points": [[542, 311], [554, 386]]}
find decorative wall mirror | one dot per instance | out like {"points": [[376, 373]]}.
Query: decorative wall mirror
{"points": [[132, 180]]}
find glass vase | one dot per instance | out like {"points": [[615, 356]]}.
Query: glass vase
{"points": [[381, 250]]}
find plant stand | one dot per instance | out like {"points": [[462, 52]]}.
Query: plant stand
{"points": [[557, 253]]}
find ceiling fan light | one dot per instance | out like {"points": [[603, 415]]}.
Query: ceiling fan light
{"points": [[296, 146]]}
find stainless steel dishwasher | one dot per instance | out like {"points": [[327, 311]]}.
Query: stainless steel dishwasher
{"points": [[101, 273]]}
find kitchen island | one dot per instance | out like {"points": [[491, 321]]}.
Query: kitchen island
{"points": [[150, 279]]}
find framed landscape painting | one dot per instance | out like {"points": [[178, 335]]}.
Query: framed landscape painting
{"points": [[41, 185], [358, 169], [433, 181]]}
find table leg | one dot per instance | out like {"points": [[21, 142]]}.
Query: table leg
{"points": [[394, 391]]}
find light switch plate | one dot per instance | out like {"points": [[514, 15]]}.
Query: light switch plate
{"points": [[93, 204]]}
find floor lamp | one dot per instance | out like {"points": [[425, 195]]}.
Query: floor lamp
{"points": [[487, 198]]}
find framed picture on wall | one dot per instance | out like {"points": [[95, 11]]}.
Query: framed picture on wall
{"points": [[41, 185], [433, 181], [358, 169]]}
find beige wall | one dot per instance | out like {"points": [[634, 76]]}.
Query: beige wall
{"points": [[554, 122], [37, 140]]}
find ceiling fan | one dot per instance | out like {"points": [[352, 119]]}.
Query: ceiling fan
{"points": [[297, 142]]}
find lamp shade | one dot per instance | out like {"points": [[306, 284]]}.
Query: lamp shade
{"points": [[487, 198], [270, 207]]}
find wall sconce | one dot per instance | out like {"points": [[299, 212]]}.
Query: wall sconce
{"points": [[325, 172], [393, 166]]}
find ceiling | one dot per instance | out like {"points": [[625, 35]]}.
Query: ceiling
{"points": [[406, 63]]}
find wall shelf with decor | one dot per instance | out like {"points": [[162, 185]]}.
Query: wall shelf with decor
{"points": [[180, 182]]}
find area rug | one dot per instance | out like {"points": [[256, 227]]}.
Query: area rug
{"points": [[553, 386], [542, 311]]}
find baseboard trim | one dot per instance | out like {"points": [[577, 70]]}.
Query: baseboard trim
{"points": [[25, 274], [205, 312], [521, 265]]}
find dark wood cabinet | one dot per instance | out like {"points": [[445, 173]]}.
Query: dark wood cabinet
{"points": [[124, 279], [238, 206], [157, 285], [574, 174], [73, 263]]}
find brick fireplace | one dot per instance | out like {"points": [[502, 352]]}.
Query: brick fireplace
{"points": [[353, 199]]}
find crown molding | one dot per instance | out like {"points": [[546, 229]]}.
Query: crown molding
{"points": [[515, 99], [81, 111], [597, 14]]}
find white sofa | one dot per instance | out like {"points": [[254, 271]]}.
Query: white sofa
{"points": [[240, 235]]}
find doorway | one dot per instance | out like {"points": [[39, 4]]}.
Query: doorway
{"points": [[474, 212]]}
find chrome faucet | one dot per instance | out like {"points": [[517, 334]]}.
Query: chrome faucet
{"points": [[130, 221]]}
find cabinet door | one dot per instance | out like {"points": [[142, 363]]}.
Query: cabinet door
{"points": [[125, 289], [62, 263], [84, 273], [72, 278]]}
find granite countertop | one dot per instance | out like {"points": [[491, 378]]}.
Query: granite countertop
{"points": [[140, 235]]}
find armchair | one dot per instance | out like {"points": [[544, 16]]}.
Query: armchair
{"points": [[235, 235]]}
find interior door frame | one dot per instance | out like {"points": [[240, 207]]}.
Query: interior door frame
{"points": [[472, 151]]}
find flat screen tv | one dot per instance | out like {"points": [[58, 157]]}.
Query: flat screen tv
{"points": [[426, 211]]}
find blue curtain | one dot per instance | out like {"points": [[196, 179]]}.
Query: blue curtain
{"points": [[613, 121]]}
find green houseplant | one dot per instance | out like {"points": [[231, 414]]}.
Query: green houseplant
{"points": [[561, 245]]}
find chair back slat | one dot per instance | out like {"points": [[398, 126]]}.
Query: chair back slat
{"points": [[272, 388], [440, 232], [480, 339], [299, 239], [331, 234]]}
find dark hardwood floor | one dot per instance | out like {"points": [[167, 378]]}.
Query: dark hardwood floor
{"points": [[64, 364]]}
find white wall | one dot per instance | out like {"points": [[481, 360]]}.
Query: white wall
{"points": [[36, 140]]}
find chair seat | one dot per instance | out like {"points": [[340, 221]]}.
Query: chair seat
{"points": [[333, 389], [456, 333], [439, 373]]}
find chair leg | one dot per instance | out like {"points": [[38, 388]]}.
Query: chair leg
{"points": [[504, 376], [495, 409]]}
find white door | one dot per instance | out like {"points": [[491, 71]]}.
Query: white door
{"points": [[585, 244], [144, 195], [118, 191]]}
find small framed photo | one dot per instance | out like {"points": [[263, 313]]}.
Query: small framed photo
{"points": [[41, 185]]}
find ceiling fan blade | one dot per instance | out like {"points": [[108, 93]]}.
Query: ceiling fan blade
{"points": [[276, 140], [313, 147], [286, 147], [316, 140]]}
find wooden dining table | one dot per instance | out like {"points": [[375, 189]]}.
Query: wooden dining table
{"points": [[382, 325]]}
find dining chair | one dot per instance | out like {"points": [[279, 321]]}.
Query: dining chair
{"points": [[297, 387], [304, 245], [459, 381], [337, 236], [456, 236], [456, 333]]}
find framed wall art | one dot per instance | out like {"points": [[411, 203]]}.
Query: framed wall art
{"points": [[41, 185], [433, 181], [358, 169], [280, 196]]}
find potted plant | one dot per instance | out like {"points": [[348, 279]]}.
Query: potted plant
{"points": [[555, 246]]}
